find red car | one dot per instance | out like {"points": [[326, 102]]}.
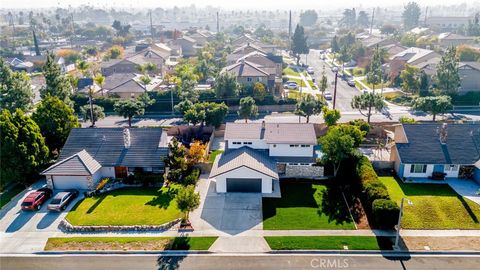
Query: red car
{"points": [[35, 199]]}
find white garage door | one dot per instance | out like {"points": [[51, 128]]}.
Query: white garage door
{"points": [[70, 182]]}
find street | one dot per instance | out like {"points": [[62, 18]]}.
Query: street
{"points": [[239, 261]]}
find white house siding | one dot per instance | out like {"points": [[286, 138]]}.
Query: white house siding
{"points": [[284, 150], [243, 172], [408, 174], [70, 182], [451, 174], [108, 172], [256, 144]]}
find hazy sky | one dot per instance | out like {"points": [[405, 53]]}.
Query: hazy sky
{"points": [[242, 4]]}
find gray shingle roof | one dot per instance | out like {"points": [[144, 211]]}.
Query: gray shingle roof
{"points": [[80, 163], [147, 147], [298, 133], [424, 147], [244, 157]]}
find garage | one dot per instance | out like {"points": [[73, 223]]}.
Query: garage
{"points": [[69, 182], [244, 185]]}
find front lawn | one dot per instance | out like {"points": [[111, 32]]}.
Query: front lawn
{"points": [[130, 243], [129, 206], [7, 196], [435, 206], [327, 242], [291, 72], [306, 206], [213, 155]]}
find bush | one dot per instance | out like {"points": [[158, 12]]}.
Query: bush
{"points": [[192, 178], [385, 213], [365, 171], [361, 124], [375, 190]]}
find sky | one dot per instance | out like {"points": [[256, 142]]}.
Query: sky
{"points": [[227, 4]]}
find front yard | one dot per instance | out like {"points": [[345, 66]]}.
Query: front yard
{"points": [[129, 243], [128, 206], [435, 206], [306, 206], [328, 242]]}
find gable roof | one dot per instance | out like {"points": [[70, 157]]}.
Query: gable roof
{"points": [[453, 36], [245, 69], [147, 147], [80, 163], [412, 54], [149, 55], [244, 157], [248, 45], [130, 86], [117, 79], [295, 133], [424, 147]]}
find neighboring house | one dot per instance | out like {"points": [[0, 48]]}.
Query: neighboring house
{"points": [[271, 64], [450, 39], [131, 63], [412, 56], [90, 154], [188, 45], [372, 41], [393, 49], [421, 150], [447, 23], [248, 73], [19, 65], [242, 40], [248, 48], [201, 37], [257, 154]]}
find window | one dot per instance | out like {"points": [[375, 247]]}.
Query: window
{"points": [[418, 168], [305, 145], [451, 168], [249, 79], [247, 142], [293, 145], [292, 163], [304, 164], [236, 142]]}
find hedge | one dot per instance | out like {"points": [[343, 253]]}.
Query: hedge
{"points": [[385, 213]]}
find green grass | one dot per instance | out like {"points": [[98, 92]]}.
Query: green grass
{"points": [[170, 243], [129, 206], [8, 196], [434, 206], [359, 86], [305, 206], [213, 155], [327, 242], [357, 71], [377, 86], [291, 72]]}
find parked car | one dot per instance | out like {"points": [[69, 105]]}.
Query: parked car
{"points": [[334, 69], [351, 82], [290, 85], [327, 95], [36, 199], [62, 199], [310, 70]]}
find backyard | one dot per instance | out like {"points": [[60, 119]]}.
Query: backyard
{"points": [[435, 206], [128, 206], [306, 206]]}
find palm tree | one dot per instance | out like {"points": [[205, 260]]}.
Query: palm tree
{"points": [[99, 80], [83, 66]]}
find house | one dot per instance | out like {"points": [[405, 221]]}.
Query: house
{"points": [[248, 73], [451, 39], [425, 150], [372, 41], [130, 64], [258, 154], [90, 154], [127, 85], [248, 48], [447, 23], [242, 40], [412, 56], [188, 45]]}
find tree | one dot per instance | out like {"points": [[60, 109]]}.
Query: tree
{"points": [[259, 92], [330, 116], [176, 160], [15, 89], [349, 18], [35, 43], [56, 84], [433, 105], [308, 18], [410, 79], [247, 108], [424, 82], [55, 119], [187, 200], [336, 147], [114, 52], [83, 66], [128, 108], [354, 132], [411, 15], [215, 114], [323, 81], [23, 150], [194, 116], [334, 45], [299, 43], [388, 29], [447, 78], [307, 106], [97, 113], [409, 39], [374, 75], [226, 85], [362, 19], [344, 56], [367, 101], [99, 80], [466, 53], [197, 151]]}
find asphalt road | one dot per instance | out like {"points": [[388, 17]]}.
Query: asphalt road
{"points": [[224, 262], [345, 93]]}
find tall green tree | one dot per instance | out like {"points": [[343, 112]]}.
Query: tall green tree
{"points": [[362, 19], [330, 116], [56, 84], [368, 101], [55, 119], [247, 108], [411, 15], [215, 114], [308, 18], [187, 200], [15, 89], [433, 105], [336, 147], [128, 108], [226, 86], [259, 91], [374, 75], [447, 78], [323, 81], [344, 56], [349, 18], [98, 113], [299, 43], [307, 106], [410, 79], [23, 150]]}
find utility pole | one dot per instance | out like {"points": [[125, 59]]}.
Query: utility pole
{"points": [[90, 100], [73, 31], [290, 27], [218, 23], [426, 14], [335, 90], [151, 27], [371, 24]]}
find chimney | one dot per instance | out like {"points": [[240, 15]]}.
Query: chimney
{"points": [[126, 138], [443, 133], [263, 124]]}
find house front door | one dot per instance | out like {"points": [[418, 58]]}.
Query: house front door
{"points": [[121, 172]]}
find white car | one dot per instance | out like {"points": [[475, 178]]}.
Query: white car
{"points": [[310, 70], [290, 85], [327, 95]]}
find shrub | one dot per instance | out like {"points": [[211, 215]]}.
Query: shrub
{"points": [[102, 183], [365, 171], [375, 190], [192, 178], [385, 213], [361, 124]]}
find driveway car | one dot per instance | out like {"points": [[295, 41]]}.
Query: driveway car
{"points": [[290, 85], [351, 82], [61, 200], [36, 199], [310, 70], [327, 95]]}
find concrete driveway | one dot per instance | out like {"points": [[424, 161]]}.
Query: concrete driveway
{"points": [[466, 188], [228, 213]]}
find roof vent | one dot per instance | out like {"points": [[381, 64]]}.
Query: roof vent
{"points": [[443, 133], [126, 138]]}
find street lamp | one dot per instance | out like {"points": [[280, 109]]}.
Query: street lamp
{"points": [[397, 238]]}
